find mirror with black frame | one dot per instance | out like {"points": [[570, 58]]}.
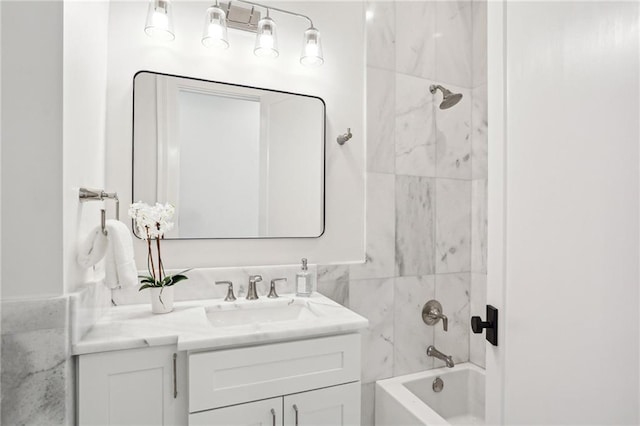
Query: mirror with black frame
{"points": [[236, 161]]}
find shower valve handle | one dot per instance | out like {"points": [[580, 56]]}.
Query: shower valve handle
{"points": [[432, 313]]}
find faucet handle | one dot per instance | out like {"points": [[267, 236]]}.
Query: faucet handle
{"points": [[272, 291], [432, 313], [230, 296], [445, 322]]}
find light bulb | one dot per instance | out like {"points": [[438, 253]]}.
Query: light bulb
{"points": [[311, 48], [215, 28], [266, 39], [159, 24]]}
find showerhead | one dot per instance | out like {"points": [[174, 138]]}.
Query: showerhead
{"points": [[449, 99]]}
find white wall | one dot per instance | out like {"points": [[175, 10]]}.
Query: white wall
{"points": [[32, 147], [84, 115], [54, 82], [340, 82], [0, 174], [564, 171]]}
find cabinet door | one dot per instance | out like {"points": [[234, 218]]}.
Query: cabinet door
{"points": [[132, 387], [334, 406], [267, 412]]}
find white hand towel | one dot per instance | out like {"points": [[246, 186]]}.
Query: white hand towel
{"points": [[93, 248], [120, 268]]}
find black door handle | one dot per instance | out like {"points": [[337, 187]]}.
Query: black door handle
{"points": [[491, 325]]}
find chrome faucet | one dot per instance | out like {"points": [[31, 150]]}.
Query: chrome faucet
{"points": [[251, 292], [432, 351]]}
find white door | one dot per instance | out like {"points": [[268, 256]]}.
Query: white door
{"points": [[563, 212], [333, 406], [267, 412]]}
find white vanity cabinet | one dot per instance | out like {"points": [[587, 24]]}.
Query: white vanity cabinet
{"points": [[133, 387], [295, 383], [304, 382]]}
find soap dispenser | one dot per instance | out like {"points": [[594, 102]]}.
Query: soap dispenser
{"points": [[304, 281]]}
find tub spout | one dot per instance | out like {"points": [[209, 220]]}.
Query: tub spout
{"points": [[432, 351]]}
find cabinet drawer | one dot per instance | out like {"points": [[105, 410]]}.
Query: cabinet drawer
{"points": [[260, 413], [226, 377]]}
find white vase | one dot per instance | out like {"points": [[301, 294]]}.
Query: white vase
{"points": [[161, 299]]}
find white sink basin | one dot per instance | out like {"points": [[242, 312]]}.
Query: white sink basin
{"points": [[259, 312], [225, 324]]}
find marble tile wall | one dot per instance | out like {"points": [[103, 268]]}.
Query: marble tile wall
{"points": [[426, 189], [36, 369]]}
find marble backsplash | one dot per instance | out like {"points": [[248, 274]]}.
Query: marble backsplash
{"points": [[201, 283], [87, 305]]}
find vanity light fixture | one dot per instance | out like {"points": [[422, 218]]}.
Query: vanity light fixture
{"points": [[266, 39], [221, 16], [311, 48], [215, 28], [159, 23]]}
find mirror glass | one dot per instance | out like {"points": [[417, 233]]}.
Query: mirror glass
{"points": [[235, 161]]}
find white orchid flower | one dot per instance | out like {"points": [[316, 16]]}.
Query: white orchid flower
{"points": [[152, 221]]}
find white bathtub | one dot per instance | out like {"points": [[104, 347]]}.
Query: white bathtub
{"points": [[411, 400]]}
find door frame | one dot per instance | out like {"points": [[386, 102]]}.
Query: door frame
{"points": [[496, 203]]}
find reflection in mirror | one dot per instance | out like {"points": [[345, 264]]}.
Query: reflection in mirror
{"points": [[236, 161]]}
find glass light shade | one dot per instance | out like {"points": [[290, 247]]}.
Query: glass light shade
{"points": [[215, 28], [311, 48], [159, 21], [266, 40]]}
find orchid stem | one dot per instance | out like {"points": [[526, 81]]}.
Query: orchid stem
{"points": [[153, 269], [159, 259]]}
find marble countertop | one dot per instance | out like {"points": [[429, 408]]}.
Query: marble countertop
{"points": [[193, 325]]}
